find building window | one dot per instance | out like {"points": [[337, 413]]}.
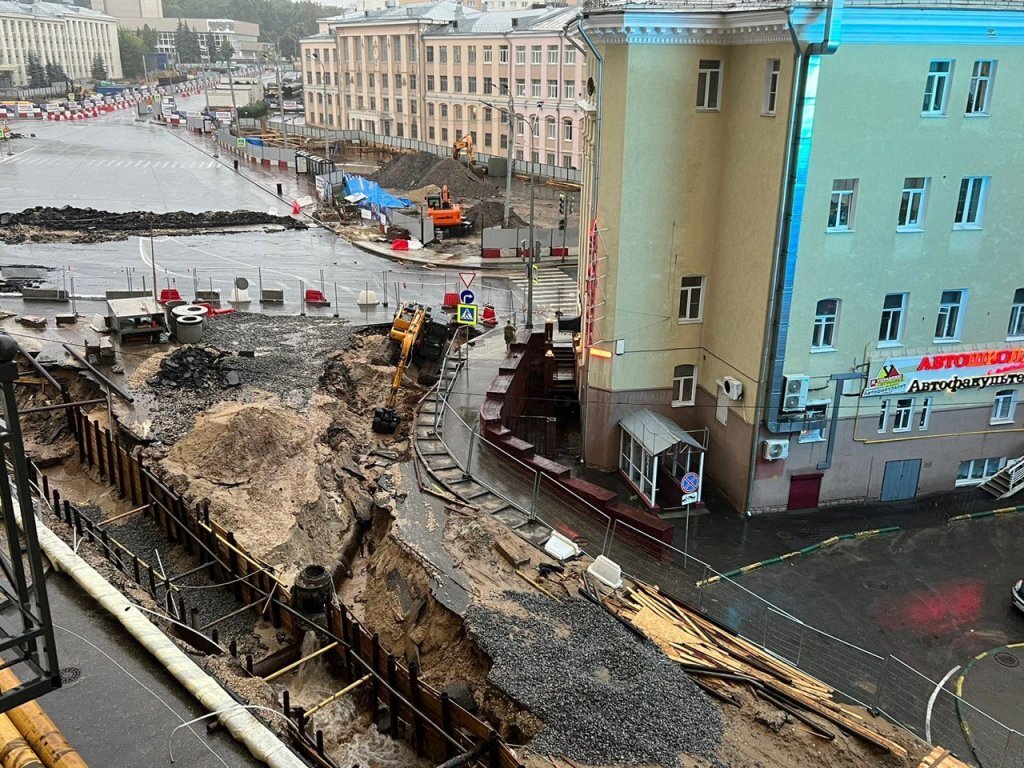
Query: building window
{"points": [[503, 86], [570, 55], [550, 158], [430, 132], [458, 112], [430, 82], [684, 385], [487, 139], [552, 128], [520, 54], [926, 412], [398, 106], [552, 89], [971, 202], [552, 54], [1016, 328], [936, 87], [520, 87], [444, 110], [535, 89], [412, 82], [521, 126], [430, 54], [457, 83], [488, 114], [1003, 407], [503, 141], [980, 93], [570, 89], [472, 84], [902, 416], [825, 315], [535, 54], [535, 130], [567, 161], [691, 299], [430, 109], [771, 86], [503, 54], [444, 135], [840, 209], [444, 54], [471, 53], [444, 83], [488, 54], [567, 130], [912, 203], [950, 318], [488, 85], [457, 54], [709, 84], [894, 308], [638, 466], [883, 415], [977, 471]]}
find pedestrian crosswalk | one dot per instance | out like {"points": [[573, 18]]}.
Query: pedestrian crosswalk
{"points": [[75, 163], [554, 290]]}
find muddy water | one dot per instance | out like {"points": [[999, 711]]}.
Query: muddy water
{"points": [[350, 738]]}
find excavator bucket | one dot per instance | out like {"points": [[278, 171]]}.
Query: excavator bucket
{"points": [[385, 421]]}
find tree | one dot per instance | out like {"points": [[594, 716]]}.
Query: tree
{"points": [[259, 109], [150, 38], [132, 49], [227, 50], [55, 73], [35, 71], [186, 42], [99, 68]]}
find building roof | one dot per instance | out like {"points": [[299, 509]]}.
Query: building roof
{"points": [[501, 22], [727, 6], [440, 12], [657, 433], [51, 11]]}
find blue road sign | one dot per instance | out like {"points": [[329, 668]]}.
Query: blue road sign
{"points": [[467, 297], [690, 482]]}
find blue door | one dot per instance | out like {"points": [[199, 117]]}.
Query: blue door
{"points": [[900, 479]]}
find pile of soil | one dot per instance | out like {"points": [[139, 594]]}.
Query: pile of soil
{"points": [[420, 169], [87, 225], [491, 213], [195, 368]]}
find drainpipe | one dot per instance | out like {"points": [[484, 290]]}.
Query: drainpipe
{"points": [[795, 163], [597, 119]]}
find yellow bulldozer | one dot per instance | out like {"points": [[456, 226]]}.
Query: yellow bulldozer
{"points": [[464, 144]]}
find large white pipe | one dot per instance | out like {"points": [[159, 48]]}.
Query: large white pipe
{"points": [[261, 742]]}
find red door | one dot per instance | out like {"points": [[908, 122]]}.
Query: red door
{"points": [[804, 491]]}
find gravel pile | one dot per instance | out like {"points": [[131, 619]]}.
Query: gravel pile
{"points": [[491, 213], [196, 368], [604, 696], [420, 169], [288, 357]]}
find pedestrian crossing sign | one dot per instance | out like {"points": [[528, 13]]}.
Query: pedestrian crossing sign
{"points": [[240, 143], [467, 314]]}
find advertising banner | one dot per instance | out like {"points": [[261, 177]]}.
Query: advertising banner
{"points": [[946, 372]]}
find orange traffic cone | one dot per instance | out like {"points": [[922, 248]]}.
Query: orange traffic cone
{"points": [[296, 210]]}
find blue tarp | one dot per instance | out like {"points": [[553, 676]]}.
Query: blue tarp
{"points": [[376, 197], [256, 142]]}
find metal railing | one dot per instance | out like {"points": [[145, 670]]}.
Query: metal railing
{"points": [[883, 684]]}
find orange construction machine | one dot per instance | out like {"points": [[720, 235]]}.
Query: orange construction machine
{"points": [[447, 216]]}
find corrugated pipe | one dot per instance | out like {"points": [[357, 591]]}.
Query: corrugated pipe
{"points": [[257, 738], [41, 733], [14, 750]]}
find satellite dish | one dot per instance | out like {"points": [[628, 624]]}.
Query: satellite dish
{"points": [[241, 283], [590, 86]]}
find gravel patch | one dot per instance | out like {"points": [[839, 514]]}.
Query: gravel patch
{"points": [[604, 695], [288, 357]]}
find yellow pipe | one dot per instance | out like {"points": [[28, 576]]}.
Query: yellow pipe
{"points": [[14, 750], [40, 731], [270, 678]]}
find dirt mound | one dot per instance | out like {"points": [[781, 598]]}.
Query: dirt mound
{"points": [[195, 368], [83, 225], [420, 169], [491, 213], [256, 464]]}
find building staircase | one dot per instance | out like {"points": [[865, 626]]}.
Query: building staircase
{"points": [[1007, 481]]}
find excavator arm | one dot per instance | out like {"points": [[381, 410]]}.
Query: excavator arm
{"points": [[386, 419]]}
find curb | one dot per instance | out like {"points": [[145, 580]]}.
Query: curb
{"points": [[387, 253], [985, 513], [959, 688], [796, 553]]}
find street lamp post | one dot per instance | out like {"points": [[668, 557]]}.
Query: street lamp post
{"points": [[323, 69], [531, 249], [280, 96], [508, 161]]}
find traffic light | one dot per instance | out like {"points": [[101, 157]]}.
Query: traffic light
{"points": [[561, 224], [561, 205]]}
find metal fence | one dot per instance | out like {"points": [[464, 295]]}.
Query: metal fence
{"points": [[883, 684]]}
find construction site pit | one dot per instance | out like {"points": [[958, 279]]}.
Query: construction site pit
{"points": [[266, 427]]}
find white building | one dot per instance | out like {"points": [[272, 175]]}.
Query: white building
{"points": [[243, 36], [63, 34]]}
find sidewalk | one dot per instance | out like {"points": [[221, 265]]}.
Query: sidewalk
{"points": [[428, 257]]}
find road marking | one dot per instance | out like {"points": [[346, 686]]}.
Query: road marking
{"points": [[931, 703], [149, 264], [234, 261]]}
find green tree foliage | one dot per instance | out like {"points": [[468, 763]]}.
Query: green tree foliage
{"points": [[35, 71], [55, 73], [132, 47], [275, 17], [258, 109], [150, 38], [227, 50], [186, 42], [99, 68]]}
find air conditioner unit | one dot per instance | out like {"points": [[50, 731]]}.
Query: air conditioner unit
{"points": [[794, 390], [775, 449], [733, 388]]}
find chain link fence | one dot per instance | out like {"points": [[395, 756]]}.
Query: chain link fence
{"points": [[883, 684]]}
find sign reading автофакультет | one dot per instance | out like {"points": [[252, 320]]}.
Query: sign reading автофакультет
{"points": [[947, 372]]}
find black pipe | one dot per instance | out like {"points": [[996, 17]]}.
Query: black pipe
{"points": [[466, 757]]}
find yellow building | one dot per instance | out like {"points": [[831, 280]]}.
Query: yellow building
{"points": [[803, 224]]}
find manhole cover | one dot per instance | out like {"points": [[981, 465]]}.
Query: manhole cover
{"points": [[784, 535], [69, 675], [1007, 659], [876, 585]]}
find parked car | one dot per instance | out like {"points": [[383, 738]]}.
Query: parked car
{"points": [[1018, 595]]}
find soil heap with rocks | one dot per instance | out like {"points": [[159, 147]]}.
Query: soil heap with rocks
{"points": [[491, 213], [419, 169], [195, 368], [85, 225]]}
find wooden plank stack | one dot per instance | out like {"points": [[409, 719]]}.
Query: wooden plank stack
{"points": [[717, 659], [941, 758]]}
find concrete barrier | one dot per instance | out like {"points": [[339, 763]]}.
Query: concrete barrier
{"points": [[44, 294]]}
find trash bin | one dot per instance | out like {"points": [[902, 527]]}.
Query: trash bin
{"points": [[190, 329]]}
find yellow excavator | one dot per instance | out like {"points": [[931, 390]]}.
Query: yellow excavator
{"points": [[416, 335], [464, 144]]}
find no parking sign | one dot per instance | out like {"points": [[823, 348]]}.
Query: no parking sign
{"points": [[690, 486]]}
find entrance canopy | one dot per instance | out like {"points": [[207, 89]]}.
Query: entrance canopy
{"points": [[656, 433]]}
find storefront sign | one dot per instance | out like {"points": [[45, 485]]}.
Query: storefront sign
{"points": [[947, 372]]}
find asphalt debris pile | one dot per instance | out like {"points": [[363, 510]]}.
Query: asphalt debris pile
{"points": [[604, 696], [491, 213], [46, 224], [14, 277], [196, 368], [419, 169]]}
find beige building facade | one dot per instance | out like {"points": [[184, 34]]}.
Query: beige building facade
{"points": [[795, 255]]}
